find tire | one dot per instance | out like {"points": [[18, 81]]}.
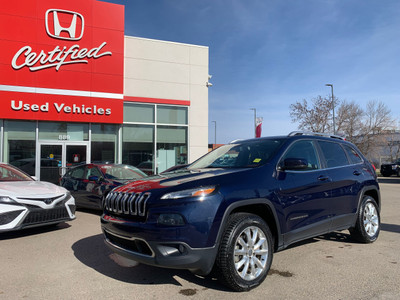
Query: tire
{"points": [[245, 253], [368, 223]]}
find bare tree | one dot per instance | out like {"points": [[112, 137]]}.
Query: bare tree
{"points": [[316, 117], [377, 120], [362, 127]]}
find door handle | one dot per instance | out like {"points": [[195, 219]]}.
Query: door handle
{"points": [[357, 173], [323, 178]]}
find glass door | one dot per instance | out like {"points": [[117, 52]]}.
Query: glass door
{"points": [[50, 162], [57, 158]]}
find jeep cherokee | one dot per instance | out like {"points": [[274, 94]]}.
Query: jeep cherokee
{"points": [[232, 208]]}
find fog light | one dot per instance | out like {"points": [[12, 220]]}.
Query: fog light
{"points": [[170, 220]]}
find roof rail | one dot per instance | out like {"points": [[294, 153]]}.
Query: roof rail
{"points": [[294, 133]]}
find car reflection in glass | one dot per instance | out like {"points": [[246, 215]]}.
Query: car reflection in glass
{"points": [[90, 183]]}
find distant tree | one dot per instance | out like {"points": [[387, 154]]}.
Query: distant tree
{"points": [[377, 120], [315, 117], [362, 127]]}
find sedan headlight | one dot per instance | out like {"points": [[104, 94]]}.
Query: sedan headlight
{"points": [[197, 192], [7, 200]]}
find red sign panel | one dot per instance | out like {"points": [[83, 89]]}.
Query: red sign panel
{"points": [[54, 51]]}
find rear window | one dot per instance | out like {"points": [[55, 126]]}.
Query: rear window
{"points": [[334, 154], [352, 154]]}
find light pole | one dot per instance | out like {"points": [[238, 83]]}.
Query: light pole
{"points": [[255, 117], [215, 134], [333, 107]]}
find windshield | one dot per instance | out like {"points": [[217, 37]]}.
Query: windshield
{"points": [[9, 173], [248, 154], [122, 172]]}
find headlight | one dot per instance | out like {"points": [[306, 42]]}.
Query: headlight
{"points": [[7, 200], [197, 192]]}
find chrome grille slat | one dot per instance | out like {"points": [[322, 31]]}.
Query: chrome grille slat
{"points": [[127, 203]]}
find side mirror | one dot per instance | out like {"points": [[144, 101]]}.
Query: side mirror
{"points": [[294, 164]]}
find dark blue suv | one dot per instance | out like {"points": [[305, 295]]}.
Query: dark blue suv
{"points": [[231, 209]]}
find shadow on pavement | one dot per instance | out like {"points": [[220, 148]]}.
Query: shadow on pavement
{"points": [[388, 179], [390, 227], [92, 252], [8, 235]]}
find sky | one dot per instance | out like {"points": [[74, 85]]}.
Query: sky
{"points": [[268, 54]]}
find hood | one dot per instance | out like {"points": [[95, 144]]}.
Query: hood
{"points": [[182, 178], [30, 189]]}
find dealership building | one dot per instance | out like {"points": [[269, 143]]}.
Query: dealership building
{"points": [[75, 89]]}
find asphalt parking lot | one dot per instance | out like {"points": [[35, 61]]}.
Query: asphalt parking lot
{"points": [[71, 261]]}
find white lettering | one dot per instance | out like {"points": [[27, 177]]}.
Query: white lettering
{"points": [[45, 107], [55, 58], [59, 107], [13, 107]]}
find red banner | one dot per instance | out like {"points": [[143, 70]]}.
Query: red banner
{"points": [[62, 48]]}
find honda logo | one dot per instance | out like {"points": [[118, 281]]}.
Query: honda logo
{"points": [[64, 24]]}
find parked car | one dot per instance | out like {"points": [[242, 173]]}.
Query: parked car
{"points": [[90, 183], [174, 168], [231, 209], [25, 202], [391, 169]]}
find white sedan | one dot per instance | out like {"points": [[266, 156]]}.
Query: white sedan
{"points": [[25, 202]]}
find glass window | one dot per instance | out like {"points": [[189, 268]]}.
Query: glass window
{"points": [[138, 113], [303, 150], [138, 147], [352, 154], [92, 171], [77, 172], [334, 154], [239, 155], [63, 131], [20, 144], [104, 143], [172, 115], [171, 147]]}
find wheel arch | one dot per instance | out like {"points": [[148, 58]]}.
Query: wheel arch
{"points": [[260, 207], [373, 192]]}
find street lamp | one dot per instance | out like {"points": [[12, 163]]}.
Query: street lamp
{"points": [[255, 117], [215, 134], [333, 107]]}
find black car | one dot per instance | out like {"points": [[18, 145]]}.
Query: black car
{"points": [[391, 169], [231, 209], [90, 183]]}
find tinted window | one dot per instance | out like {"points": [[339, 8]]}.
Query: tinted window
{"points": [[77, 172], [249, 154], [93, 171], [334, 154], [303, 150], [352, 154]]}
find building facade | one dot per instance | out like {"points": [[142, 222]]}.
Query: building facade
{"points": [[75, 89]]}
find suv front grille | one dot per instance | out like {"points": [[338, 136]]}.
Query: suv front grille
{"points": [[127, 203]]}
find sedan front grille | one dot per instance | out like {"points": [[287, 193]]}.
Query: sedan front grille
{"points": [[37, 216], [126, 203]]}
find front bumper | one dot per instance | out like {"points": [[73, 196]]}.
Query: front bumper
{"points": [[34, 213], [173, 254]]}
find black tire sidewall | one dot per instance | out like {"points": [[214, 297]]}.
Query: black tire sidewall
{"points": [[360, 222], [247, 221]]}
